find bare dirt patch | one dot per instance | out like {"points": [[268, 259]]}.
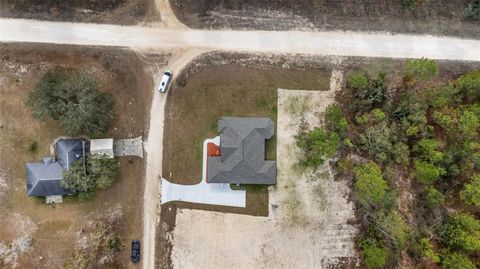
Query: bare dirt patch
{"points": [[105, 11], [121, 74], [430, 17]]}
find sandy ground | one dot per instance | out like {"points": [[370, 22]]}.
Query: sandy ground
{"points": [[167, 17], [154, 150], [308, 222], [327, 43]]}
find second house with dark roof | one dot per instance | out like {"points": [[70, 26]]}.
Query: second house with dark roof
{"points": [[242, 152]]}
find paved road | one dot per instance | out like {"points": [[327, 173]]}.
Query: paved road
{"points": [[326, 43]]}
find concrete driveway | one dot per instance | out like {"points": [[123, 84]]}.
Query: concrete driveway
{"points": [[204, 193]]}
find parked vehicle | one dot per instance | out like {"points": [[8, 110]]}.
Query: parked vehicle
{"points": [[165, 82], [135, 255]]}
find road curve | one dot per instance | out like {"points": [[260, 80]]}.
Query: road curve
{"points": [[325, 43]]}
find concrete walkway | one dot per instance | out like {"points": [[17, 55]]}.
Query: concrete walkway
{"points": [[128, 147], [204, 193]]}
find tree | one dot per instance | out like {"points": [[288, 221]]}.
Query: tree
{"points": [[99, 173], [373, 256], [433, 197], [424, 69], [426, 250], [335, 120], [76, 180], [427, 173], [410, 5], [392, 224], [427, 149], [472, 10], [380, 141], [469, 84], [468, 123], [471, 193], [364, 93], [72, 99], [461, 231], [457, 261], [370, 187], [317, 146], [358, 80], [103, 170]]}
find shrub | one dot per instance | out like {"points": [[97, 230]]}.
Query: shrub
{"points": [[410, 5], [469, 85], [379, 141], [426, 172], [335, 120], [461, 231], [427, 149], [424, 69], [373, 256], [393, 224], [317, 146], [370, 187], [433, 197], [31, 145], [74, 100], [472, 10], [365, 93], [378, 115], [358, 80], [471, 193], [427, 252], [457, 261]]}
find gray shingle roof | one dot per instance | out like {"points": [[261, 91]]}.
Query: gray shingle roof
{"points": [[242, 147], [43, 178], [69, 151]]}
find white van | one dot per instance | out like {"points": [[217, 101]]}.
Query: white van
{"points": [[165, 82]]}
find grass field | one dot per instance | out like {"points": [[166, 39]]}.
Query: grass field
{"points": [[223, 90]]}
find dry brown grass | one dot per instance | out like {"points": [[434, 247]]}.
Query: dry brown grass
{"points": [[120, 73]]}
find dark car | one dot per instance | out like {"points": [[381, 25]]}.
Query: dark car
{"points": [[135, 251]]}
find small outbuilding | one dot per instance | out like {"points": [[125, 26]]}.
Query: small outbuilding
{"points": [[102, 147]]}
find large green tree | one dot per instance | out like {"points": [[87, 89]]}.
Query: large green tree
{"points": [[98, 173], [73, 99]]}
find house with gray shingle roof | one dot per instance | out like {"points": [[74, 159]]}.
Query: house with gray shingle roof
{"points": [[242, 152], [43, 178]]}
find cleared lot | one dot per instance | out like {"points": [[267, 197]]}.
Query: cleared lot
{"points": [[308, 225]]}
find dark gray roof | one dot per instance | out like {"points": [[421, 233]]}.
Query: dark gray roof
{"points": [[69, 151], [242, 147], [43, 178]]}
